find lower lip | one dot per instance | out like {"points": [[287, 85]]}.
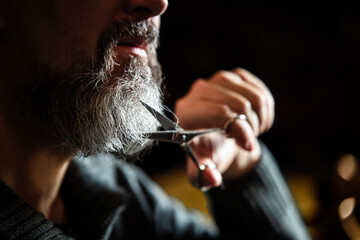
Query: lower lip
{"points": [[137, 51]]}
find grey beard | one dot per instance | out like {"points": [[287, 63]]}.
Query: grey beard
{"points": [[112, 118], [87, 109], [92, 113]]}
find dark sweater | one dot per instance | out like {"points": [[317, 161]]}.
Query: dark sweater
{"points": [[109, 199]]}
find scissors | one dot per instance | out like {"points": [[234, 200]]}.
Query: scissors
{"points": [[175, 134]]}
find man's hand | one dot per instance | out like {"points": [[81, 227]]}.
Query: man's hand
{"points": [[214, 102]]}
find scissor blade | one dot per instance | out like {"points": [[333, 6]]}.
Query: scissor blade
{"points": [[166, 123], [164, 136], [178, 136]]}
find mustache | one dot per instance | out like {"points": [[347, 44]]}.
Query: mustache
{"points": [[119, 30]]}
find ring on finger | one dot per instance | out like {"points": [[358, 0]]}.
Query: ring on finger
{"points": [[210, 165], [230, 121]]}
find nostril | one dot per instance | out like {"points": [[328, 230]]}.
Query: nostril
{"points": [[142, 10]]}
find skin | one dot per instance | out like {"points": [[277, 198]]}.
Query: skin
{"points": [[209, 104], [49, 29], [45, 31]]}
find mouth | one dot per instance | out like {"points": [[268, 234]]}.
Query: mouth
{"points": [[134, 46]]}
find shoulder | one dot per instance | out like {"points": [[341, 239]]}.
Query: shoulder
{"points": [[108, 170]]}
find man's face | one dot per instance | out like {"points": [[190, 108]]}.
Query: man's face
{"points": [[86, 65]]}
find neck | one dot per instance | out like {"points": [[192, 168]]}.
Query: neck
{"points": [[34, 171]]}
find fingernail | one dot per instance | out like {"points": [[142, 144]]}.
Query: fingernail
{"points": [[250, 144]]}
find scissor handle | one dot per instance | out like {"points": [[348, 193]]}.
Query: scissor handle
{"points": [[188, 151]]}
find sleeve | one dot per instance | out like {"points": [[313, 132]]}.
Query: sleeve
{"points": [[258, 205], [152, 214]]}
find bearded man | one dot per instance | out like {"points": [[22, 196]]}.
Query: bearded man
{"points": [[73, 74]]}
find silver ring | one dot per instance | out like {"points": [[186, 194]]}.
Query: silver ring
{"points": [[202, 167], [210, 165], [228, 123]]}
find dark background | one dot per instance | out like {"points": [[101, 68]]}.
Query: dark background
{"points": [[308, 55]]}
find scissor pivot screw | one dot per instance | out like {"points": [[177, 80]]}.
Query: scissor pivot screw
{"points": [[183, 138]]}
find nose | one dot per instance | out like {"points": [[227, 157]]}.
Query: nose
{"points": [[143, 9]]}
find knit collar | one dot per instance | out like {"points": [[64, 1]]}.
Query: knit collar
{"points": [[18, 220], [91, 206]]}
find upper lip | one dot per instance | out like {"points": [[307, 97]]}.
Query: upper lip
{"points": [[134, 42]]}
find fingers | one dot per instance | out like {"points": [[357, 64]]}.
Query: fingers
{"points": [[242, 132], [243, 83], [224, 102], [267, 98], [210, 114], [205, 175], [205, 179], [211, 103], [210, 151], [214, 103]]}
